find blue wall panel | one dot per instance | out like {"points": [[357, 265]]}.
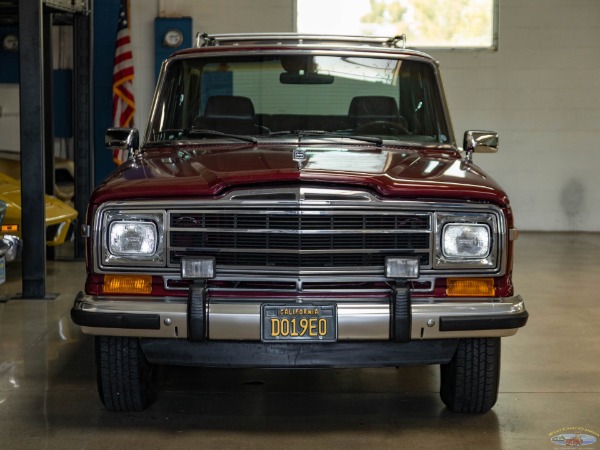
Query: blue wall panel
{"points": [[106, 14], [161, 26], [9, 61]]}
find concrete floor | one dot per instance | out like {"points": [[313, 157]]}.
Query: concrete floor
{"points": [[550, 380]]}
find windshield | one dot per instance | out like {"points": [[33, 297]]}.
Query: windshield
{"points": [[274, 96]]}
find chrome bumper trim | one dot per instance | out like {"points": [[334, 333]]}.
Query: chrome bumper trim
{"points": [[427, 317], [11, 247], [237, 320], [241, 321], [172, 313]]}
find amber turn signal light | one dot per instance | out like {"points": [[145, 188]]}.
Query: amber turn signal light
{"points": [[10, 228], [127, 284], [470, 287]]}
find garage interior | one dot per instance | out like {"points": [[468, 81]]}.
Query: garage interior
{"points": [[539, 89]]}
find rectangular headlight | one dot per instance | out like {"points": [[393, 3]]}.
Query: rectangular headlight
{"points": [[132, 238], [464, 240], [469, 240]]}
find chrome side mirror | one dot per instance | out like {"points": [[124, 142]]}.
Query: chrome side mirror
{"points": [[480, 142], [119, 138]]}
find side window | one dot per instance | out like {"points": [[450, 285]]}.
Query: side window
{"points": [[167, 116], [418, 101], [179, 102]]}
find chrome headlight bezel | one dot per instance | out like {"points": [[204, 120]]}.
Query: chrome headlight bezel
{"points": [[111, 258], [489, 259]]}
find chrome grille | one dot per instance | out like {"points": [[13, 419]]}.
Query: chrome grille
{"points": [[296, 238]]}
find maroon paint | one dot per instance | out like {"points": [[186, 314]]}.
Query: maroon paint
{"points": [[210, 170]]}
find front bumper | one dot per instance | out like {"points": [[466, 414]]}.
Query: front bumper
{"points": [[357, 320], [10, 247]]}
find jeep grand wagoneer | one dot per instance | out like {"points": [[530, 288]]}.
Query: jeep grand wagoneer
{"points": [[299, 201]]}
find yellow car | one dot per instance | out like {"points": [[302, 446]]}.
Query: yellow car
{"points": [[59, 215], [64, 173]]}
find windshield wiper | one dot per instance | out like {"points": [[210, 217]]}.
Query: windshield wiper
{"points": [[300, 133], [214, 133], [168, 134]]}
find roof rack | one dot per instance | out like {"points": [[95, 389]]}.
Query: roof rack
{"points": [[215, 40]]}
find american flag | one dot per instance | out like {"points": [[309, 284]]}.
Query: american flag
{"points": [[123, 101]]}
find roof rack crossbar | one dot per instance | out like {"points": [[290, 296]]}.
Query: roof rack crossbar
{"points": [[206, 40]]}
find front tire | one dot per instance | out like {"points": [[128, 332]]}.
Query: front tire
{"points": [[124, 375], [469, 382]]}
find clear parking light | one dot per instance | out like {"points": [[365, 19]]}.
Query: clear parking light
{"points": [[132, 238], [461, 240], [402, 267], [197, 268]]}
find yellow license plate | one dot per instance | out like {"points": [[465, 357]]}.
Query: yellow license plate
{"points": [[299, 323]]}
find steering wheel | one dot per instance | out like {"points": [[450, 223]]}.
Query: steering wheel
{"points": [[382, 127]]}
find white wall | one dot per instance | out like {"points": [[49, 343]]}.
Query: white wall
{"points": [[142, 15], [209, 16], [540, 91], [9, 117], [10, 123]]}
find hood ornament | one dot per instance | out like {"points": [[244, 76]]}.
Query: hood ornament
{"points": [[300, 157]]}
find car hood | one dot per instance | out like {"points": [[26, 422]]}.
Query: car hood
{"points": [[192, 171]]}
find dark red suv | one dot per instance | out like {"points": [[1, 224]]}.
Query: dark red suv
{"points": [[299, 201]]}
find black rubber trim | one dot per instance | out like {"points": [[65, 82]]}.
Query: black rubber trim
{"points": [[196, 311], [483, 322], [116, 320], [401, 316], [307, 355]]}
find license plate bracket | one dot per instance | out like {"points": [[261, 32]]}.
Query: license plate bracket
{"points": [[299, 323]]}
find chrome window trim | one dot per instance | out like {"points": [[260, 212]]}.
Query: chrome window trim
{"points": [[312, 200], [390, 53]]}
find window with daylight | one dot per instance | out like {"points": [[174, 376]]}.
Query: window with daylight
{"points": [[426, 23]]}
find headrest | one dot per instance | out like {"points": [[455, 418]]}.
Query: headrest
{"points": [[229, 106], [373, 105]]}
